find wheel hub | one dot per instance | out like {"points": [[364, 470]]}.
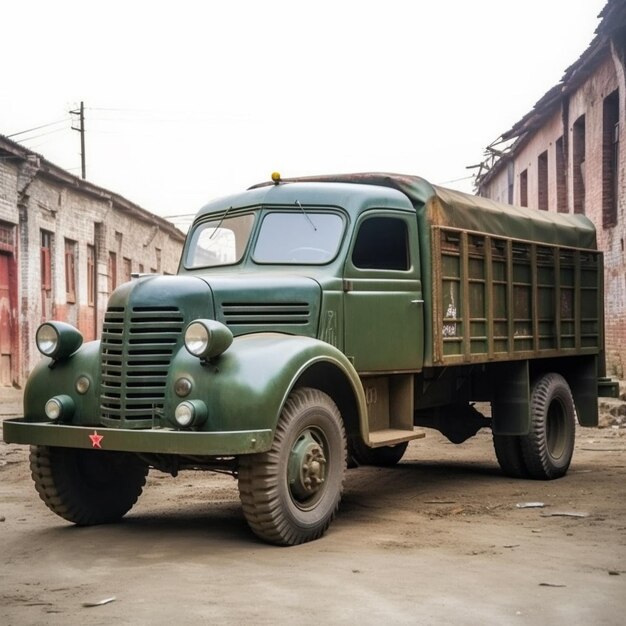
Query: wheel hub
{"points": [[307, 467]]}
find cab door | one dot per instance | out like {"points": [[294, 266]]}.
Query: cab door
{"points": [[383, 299]]}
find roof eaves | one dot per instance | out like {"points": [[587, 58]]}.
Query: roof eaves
{"points": [[53, 172]]}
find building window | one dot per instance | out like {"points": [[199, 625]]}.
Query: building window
{"points": [[70, 271], [127, 269], [523, 188], [91, 275], [510, 182], [46, 260], [141, 270], [7, 238], [46, 273], [112, 271], [578, 156], [610, 158], [561, 176], [542, 181]]}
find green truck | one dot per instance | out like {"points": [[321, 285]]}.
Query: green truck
{"points": [[317, 323]]}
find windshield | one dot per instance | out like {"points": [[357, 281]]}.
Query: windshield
{"points": [[309, 238], [219, 242]]}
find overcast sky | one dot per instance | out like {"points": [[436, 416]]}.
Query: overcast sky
{"points": [[186, 101]]}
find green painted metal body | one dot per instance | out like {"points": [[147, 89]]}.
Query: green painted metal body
{"points": [[484, 283]]}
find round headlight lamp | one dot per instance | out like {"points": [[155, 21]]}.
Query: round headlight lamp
{"points": [[207, 339], [58, 340], [59, 407], [190, 413]]}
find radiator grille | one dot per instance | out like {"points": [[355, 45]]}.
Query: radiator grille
{"points": [[137, 349], [266, 314]]}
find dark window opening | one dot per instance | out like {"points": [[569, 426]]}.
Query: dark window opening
{"points": [[610, 158], [561, 176], [578, 155], [510, 175], [91, 275], [112, 271], [542, 181], [523, 188], [46, 274], [70, 271], [46, 260], [382, 243], [127, 269]]}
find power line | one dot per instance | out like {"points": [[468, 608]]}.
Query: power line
{"points": [[51, 132], [23, 132], [455, 180]]}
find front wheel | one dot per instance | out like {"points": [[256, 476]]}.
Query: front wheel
{"points": [[291, 493], [87, 486]]}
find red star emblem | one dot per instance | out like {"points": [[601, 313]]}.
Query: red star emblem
{"points": [[96, 439]]}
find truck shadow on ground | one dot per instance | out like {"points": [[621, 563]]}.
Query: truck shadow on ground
{"points": [[184, 513], [193, 510]]}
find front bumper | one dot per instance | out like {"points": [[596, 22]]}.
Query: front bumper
{"points": [[156, 440]]}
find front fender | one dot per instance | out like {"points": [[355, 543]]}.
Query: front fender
{"points": [[49, 379], [247, 386]]}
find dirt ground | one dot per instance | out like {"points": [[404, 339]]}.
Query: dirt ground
{"points": [[438, 539]]}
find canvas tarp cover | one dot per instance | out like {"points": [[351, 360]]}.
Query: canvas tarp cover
{"points": [[446, 207]]}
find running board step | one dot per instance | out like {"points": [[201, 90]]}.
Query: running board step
{"points": [[392, 436]]}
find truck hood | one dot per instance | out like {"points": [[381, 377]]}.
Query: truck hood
{"points": [[145, 321], [245, 303], [277, 303]]}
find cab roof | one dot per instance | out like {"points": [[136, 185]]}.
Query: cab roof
{"points": [[434, 205]]}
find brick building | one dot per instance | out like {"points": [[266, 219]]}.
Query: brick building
{"points": [[65, 244], [568, 154]]}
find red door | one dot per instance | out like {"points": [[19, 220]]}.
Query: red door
{"points": [[5, 322]]}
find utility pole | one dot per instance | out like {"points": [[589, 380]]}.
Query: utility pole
{"points": [[81, 129]]}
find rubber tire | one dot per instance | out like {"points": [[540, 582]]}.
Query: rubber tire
{"points": [[549, 446], [510, 457], [385, 456], [87, 487], [270, 510]]}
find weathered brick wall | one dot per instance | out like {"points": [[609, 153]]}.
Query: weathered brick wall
{"points": [[588, 100], [8, 190], [34, 201]]}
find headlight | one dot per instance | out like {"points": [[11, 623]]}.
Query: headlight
{"points": [[58, 340], [59, 407], [207, 339], [190, 413]]}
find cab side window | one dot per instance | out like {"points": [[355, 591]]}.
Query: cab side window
{"points": [[382, 243]]}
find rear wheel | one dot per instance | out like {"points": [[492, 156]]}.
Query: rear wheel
{"points": [[87, 486], [291, 493], [509, 454], [548, 447]]}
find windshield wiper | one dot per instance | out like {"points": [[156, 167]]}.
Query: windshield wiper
{"points": [[220, 222], [305, 215]]}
